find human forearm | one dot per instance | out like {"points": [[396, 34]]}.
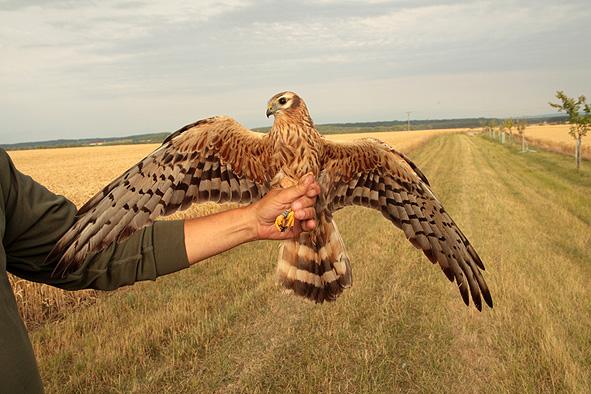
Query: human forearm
{"points": [[209, 235]]}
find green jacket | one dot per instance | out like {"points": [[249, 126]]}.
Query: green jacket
{"points": [[32, 219]]}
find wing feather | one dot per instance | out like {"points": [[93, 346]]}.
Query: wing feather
{"points": [[214, 159], [372, 174]]}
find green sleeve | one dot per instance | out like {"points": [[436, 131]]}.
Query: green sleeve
{"points": [[36, 219]]}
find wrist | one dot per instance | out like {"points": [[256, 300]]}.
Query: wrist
{"points": [[251, 223]]}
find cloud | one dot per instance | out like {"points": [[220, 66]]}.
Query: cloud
{"points": [[139, 65]]}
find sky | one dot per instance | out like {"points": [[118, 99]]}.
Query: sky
{"points": [[77, 69]]}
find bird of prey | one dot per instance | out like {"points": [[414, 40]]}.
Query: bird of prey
{"points": [[217, 159]]}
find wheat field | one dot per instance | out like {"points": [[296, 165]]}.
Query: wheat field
{"points": [[555, 138], [555, 133], [78, 173]]}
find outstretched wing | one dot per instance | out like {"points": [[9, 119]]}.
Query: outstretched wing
{"points": [[372, 174], [214, 159]]}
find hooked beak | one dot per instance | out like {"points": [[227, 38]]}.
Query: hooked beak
{"points": [[269, 112]]}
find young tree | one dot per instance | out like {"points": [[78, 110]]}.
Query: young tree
{"points": [[491, 127], [521, 125], [579, 117], [508, 123], [483, 125], [502, 132], [486, 128]]}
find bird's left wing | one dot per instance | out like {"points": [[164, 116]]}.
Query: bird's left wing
{"points": [[214, 159], [373, 174]]}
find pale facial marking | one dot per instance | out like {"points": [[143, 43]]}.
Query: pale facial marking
{"points": [[280, 102]]}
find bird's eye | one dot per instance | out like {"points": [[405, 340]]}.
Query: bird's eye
{"points": [[282, 100]]}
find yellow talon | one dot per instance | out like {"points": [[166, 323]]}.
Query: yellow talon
{"points": [[290, 219], [279, 223], [285, 221]]}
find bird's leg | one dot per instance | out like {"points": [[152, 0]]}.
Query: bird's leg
{"points": [[286, 220]]}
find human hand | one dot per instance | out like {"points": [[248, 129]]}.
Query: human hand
{"points": [[300, 198]]}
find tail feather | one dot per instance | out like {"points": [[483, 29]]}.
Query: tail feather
{"points": [[316, 265]]}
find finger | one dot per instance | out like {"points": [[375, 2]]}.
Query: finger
{"points": [[313, 190], [293, 193], [307, 177], [303, 202], [305, 214], [308, 225]]}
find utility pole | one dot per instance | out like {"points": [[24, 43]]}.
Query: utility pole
{"points": [[408, 120]]}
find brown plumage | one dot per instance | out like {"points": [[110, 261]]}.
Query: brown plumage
{"points": [[217, 159]]}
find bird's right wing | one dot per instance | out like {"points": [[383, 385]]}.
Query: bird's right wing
{"points": [[371, 173], [214, 159]]}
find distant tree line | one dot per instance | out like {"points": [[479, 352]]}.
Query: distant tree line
{"points": [[427, 124], [155, 138], [331, 128]]}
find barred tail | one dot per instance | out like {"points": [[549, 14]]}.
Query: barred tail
{"points": [[316, 265]]}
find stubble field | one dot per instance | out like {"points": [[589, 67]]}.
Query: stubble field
{"points": [[224, 326]]}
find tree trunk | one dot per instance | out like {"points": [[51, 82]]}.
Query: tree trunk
{"points": [[578, 152]]}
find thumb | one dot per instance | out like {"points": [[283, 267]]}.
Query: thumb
{"points": [[293, 193]]}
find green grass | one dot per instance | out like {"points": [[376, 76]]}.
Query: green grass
{"points": [[224, 326]]}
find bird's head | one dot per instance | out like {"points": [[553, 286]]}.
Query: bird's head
{"points": [[285, 103]]}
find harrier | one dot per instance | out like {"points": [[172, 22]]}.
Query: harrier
{"points": [[217, 159]]}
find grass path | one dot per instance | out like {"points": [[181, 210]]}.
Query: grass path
{"points": [[224, 326]]}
